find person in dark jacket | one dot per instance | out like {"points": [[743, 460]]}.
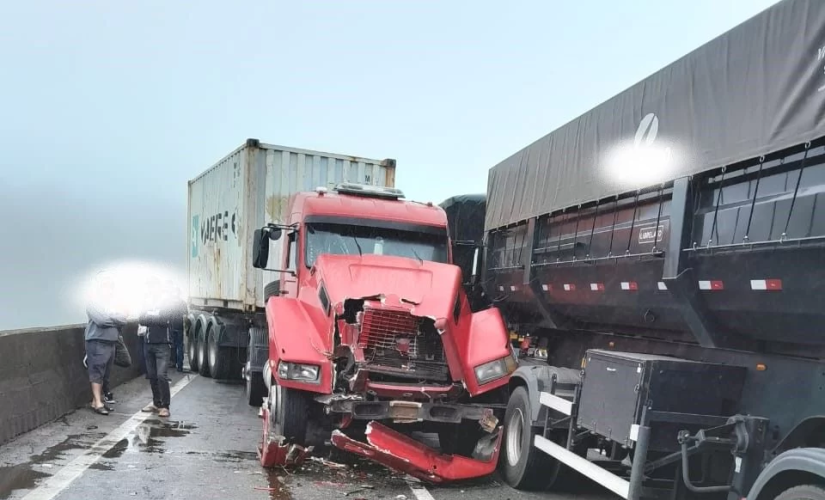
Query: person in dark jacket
{"points": [[102, 331], [178, 311], [157, 350]]}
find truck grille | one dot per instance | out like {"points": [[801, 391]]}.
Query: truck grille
{"points": [[395, 343]]}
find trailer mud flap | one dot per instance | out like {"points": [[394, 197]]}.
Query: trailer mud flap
{"points": [[401, 453]]}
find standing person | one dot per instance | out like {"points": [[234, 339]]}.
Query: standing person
{"points": [[157, 350], [177, 309], [101, 335]]}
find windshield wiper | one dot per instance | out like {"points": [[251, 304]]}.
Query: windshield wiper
{"points": [[420, 260], [358, 245]]}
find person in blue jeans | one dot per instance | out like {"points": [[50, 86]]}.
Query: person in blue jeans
{"points": [[157, 349]]}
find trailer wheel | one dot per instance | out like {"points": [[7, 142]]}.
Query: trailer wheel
{"points": [[290, 413], [524, 466], [203, 350], [220, 358], [804, 492], [192, 350]]}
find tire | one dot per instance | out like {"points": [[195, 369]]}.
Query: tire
{"points": [[272, 289], [803, 492], [290, 411], [203, 353], [522, 465], [220, 358], [192, 345], [459, 439], [255, 385]]}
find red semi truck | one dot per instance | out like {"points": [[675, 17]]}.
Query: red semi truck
{"points": [[370, 337]]}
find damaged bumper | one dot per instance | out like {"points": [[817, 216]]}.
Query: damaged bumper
{"points": [[399, 452]]}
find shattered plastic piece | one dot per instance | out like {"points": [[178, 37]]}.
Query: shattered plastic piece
{"points": [[401, 453], [328, 463], [488, 422]]}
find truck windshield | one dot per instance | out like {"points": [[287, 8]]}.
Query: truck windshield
{"points": [[347, 239]]}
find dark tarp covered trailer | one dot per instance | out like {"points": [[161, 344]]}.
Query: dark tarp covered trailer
{"points": [[756, 89]]}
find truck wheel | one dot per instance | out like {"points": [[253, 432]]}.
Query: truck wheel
{"points": [[804, 492], [203, 352], [220, 358], [459, 439], [290, 413], [524, 466]]}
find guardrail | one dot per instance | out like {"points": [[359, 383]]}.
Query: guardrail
{"points": [[42, 376]]}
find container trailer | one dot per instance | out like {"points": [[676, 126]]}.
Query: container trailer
{"points": [[242, 192], [669, 247]]}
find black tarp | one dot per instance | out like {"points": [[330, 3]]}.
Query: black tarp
{"points": [[465, 217], [756, 89]]}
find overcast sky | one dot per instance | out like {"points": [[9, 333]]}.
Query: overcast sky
{"points": [[108, 108]]}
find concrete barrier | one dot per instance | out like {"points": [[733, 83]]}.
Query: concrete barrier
{"points": [[42, 376]]}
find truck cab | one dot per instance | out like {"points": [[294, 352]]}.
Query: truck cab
{"points": [[370, 333]]}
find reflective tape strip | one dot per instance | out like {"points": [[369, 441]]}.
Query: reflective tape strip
{"points": [[501, 288], [597, 287], [766, 285], [711, 285], [546, 288], [630, 286], [569, 287], [512, 288], [662, 285]]}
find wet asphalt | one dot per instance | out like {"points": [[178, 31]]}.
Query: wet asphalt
{"points": [[206, 450]]}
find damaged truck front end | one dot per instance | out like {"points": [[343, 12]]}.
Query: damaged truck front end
{"points": [[374, 371], [373, 344]]}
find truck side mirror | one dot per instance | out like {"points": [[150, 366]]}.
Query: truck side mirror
{"points": [[260, 248]]}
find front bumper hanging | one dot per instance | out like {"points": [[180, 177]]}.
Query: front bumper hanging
{"points": [[397, 451]]}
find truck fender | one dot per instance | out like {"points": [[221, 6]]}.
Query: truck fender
{"points": [[294, 337], [527, 377], [538, 377], [791, 468]]}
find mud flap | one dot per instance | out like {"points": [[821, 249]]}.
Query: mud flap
{"points": [[399, 452], [274, 451]]}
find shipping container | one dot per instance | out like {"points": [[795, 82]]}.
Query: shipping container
{"points": [[247, 189]]}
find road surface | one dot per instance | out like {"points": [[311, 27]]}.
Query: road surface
{"points": [[206, 450]]}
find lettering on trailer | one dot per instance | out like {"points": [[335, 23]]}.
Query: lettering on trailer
{"points": [[218, 227], [647, 234]]}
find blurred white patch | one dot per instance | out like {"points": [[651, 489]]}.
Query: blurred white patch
{"points": [[133, 286]]}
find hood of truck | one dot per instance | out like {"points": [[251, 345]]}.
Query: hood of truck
{"points": [[426, 290]]}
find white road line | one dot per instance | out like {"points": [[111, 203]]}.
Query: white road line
{"points": [[418, 489], [52, 486]]}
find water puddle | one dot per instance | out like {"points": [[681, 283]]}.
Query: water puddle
{"points": [[18, 477]]}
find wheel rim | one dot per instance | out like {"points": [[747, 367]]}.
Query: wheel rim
{"points": [[202, 352], [192, 350], [515, 434], [248, 377], [213, 349]]}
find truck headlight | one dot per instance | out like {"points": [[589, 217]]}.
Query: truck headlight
{"points": [[298, 372], [495, 369]]}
